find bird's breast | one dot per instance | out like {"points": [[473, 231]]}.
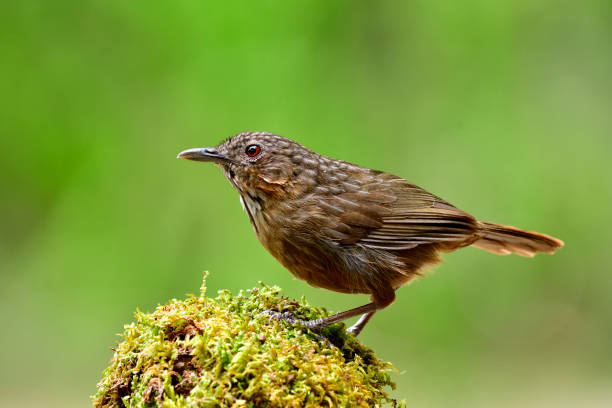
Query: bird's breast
{"points": [[253, 206], [250, 204]]}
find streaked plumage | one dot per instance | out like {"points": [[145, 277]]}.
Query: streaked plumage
{"points": [[347, 228]]}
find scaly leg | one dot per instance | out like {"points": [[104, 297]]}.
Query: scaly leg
{"points": [[358, 327], [366, 310]]}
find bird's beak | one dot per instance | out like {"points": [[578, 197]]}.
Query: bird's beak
{"points": [[204, 154]]}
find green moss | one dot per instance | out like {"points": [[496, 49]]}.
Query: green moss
{"points": [[203, 352]]}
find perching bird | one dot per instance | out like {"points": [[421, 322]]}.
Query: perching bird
{"points": [[347, 228]]}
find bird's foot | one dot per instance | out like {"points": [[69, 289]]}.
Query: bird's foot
{"points": [[314, 325], [354, 330], [360, 324]]}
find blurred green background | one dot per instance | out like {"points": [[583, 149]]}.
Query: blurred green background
{"points": [[503, 108]]}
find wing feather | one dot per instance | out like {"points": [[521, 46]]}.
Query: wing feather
{"points": [[393, 214]]}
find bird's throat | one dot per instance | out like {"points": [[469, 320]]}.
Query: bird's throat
{"points": [[253, 207]]}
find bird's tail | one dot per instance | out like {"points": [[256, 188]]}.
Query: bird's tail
{"points": [[504, 240]]}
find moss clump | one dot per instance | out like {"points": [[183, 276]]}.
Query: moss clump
{"points": [[203, 352]]}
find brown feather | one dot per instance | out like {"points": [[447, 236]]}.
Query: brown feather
{"points": [[351, 229], [505, 239]]}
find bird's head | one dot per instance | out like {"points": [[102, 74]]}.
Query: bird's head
{"points": [[259, 162]]}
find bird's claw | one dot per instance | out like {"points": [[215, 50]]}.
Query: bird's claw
{"points": [[286, 316], [354, 330], [314, 325]]}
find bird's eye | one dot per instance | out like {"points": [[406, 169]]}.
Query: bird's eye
{"points": [[253, 150]]}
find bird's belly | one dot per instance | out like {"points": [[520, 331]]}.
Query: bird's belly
{"points": [[310, 262], [325, 264]]}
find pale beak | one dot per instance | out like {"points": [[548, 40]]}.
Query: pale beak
{"points": [[204, 154]]}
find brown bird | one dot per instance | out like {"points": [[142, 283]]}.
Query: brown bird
{"points": [[347, 228]]}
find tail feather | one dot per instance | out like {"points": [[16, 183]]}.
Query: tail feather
{"points": [[505, 239]]}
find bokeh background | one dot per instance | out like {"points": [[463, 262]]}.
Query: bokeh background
{"points": [[503, 108]]}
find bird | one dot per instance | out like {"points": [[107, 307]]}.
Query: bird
{"points": [[348, 228]]}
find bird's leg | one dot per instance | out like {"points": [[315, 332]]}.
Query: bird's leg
{"points": [[363, 320], [318, 324]]}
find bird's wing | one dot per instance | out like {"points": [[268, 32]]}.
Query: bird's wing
{"points": [[395, 215]]}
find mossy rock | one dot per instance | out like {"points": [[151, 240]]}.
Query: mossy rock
{"points": [[222, 352]]}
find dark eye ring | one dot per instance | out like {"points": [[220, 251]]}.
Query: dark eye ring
{"points": [[253, 150]]}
